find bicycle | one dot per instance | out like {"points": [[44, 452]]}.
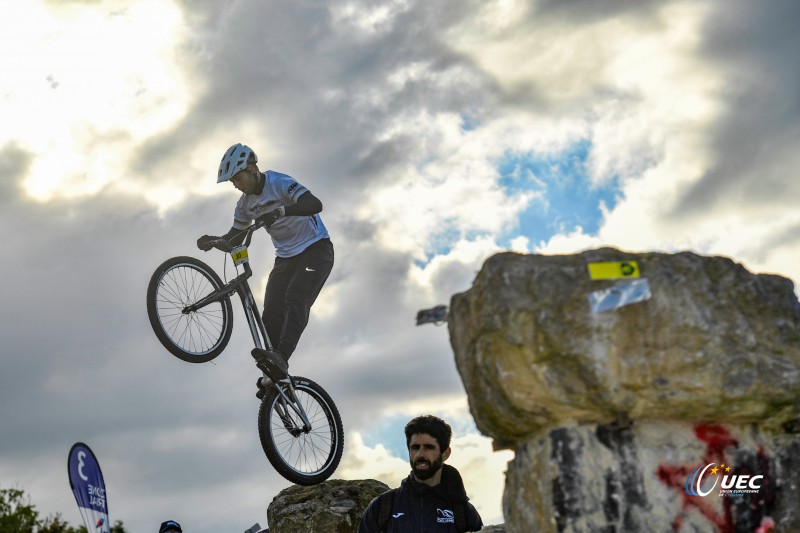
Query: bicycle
{"points": [[190, 312]]}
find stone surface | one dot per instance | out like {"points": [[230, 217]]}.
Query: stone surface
{"points": [[622, 420], [714, 342], [333, 506], [604, 478]]}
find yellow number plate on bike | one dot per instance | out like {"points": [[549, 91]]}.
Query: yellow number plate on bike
{"points": [[239, 255]]}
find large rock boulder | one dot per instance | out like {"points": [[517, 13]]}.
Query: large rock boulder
{"points": [[633, 478], [333, 506], [712, 342], [616, 394]]}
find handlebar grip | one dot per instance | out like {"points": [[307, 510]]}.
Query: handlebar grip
{"points": [[222, 244]]}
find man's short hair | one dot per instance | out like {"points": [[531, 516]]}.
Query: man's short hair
{"points": [[433, 426]]}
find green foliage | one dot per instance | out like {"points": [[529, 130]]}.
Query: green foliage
{"points": [[57, 525], [18, 515], [16, 512]]}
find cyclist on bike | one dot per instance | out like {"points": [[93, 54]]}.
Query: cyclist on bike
{"points": [[303, 249]]}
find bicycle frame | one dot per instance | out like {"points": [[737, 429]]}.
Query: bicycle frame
{"points": [[240, 286]]}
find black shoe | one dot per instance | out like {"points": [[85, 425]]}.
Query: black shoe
{"points": [[263, 384], [272, 363]]}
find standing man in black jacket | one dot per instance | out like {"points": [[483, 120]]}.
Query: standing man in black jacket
{"points": [[432, 498]]}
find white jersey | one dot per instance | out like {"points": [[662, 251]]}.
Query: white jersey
{"points": [[290, 235]]}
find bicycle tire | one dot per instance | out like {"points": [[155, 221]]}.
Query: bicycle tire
{"points": [[312, 456], [196, 337]]}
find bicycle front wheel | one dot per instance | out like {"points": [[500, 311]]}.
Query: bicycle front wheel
{"points": [[193, 336], [305, 454]]}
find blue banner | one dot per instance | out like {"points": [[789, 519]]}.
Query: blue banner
{"points": [[89, 489]]}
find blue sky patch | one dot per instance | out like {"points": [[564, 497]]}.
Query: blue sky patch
{"points": [[468, 122], [566, 198], [389, 431]]}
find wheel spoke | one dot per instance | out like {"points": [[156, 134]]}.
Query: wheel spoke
{"points": [[197, 332], [302, 454]]}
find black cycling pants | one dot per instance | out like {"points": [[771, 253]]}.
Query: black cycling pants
{"points": [[293, 286]]}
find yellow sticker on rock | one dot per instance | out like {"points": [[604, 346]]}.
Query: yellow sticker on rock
{"points": [[616, 270]]}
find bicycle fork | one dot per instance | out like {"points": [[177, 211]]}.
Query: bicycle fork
{"points": [[286, 404]]}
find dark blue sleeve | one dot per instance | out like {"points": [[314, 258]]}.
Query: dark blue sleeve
{"points": [[474, 522], [369, 520]]}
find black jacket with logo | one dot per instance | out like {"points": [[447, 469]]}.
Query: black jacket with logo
{"points": [[418, 508]]}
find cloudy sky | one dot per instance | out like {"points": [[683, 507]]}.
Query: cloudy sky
{"points": [[435, 133]]}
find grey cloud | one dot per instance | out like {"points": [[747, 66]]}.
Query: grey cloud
{"points": [[755, 143], [590, 11], [786, 239], [320, 94], [14, 163]]}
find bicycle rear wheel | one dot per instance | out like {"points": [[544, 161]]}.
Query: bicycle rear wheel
{"points": [[303, 455], [197, 336]]}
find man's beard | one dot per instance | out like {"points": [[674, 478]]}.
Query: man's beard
{"points": [[430, 471]]}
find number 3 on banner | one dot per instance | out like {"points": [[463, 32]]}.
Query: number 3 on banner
{"points": [[81, 457]]}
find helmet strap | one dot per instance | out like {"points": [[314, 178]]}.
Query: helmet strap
{"points": [[261, 180]]}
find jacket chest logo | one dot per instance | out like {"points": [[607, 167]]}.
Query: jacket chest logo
{"points": [[445, 516]]}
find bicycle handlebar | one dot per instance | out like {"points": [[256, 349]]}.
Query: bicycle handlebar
{"points": [[251, 229], [225, 245], [222, 245]]}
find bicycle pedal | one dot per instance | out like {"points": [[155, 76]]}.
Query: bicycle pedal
{"points": [[271, 363], [258, 353], [264, 384]]}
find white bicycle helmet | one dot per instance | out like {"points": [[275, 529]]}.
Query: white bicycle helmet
{"points": [[235, 159]]}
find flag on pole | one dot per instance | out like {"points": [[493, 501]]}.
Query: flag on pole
{"points": [[89, 489]]}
